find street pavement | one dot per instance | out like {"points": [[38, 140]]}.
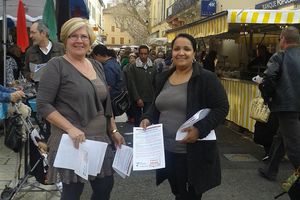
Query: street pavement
{"points": [[240, 159]]}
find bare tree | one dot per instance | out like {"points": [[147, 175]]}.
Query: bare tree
{"points": [[133, 16]]}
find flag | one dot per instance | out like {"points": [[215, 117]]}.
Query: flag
{"points": [[22, 34], [79, 9], [62, 13], [50, 20]]}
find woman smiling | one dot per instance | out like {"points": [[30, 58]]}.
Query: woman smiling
{"points": [[74, 98], [192, 165]]}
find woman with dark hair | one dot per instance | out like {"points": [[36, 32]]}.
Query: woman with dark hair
{"points": [[192, 164], [210, 61]]}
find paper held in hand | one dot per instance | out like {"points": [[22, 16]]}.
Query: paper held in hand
{"points": [[86, 160], [191, 121], [123, 161], [148, 148]]}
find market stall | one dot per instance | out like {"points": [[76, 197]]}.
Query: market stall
{"points": [[246, 28]]}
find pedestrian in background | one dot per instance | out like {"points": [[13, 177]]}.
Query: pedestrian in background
{"points": [[210, 61], [280, 89], [141, 77], [192, 166], [74, 98], [112, 69], [42, 50], [126, 70]]}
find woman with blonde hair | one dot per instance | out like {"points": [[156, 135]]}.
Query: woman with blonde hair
{"points": [[74, 98]]}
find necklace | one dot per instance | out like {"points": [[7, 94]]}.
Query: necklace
{"points": [[83, 67]]}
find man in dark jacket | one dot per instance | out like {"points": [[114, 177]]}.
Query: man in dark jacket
{"points": [[280, 89], [40, 52], [141, 76]]}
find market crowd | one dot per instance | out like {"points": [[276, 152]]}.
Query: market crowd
{"points": [[78, 81]]}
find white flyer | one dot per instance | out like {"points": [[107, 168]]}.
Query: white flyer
{"points": [[68, 156], [123, 161], [83, 165], [180, 134], [148, 148]]}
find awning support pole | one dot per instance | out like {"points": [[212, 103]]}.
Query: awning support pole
{"points": [[4, 30]]}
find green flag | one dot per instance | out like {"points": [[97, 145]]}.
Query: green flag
{"points": [[50, 20]]}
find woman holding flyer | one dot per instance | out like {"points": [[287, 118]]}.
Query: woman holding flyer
{"points": [[74, 98], [192, 165]]}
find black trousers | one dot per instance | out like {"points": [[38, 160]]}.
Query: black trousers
{"points": [[138, 112], [176, 168], [101, 189], [287, 140]]}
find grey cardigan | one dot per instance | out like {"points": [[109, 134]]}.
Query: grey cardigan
{"points": [[59, 87]]}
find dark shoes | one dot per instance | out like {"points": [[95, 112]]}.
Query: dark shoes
{"points": [[264, 174]]}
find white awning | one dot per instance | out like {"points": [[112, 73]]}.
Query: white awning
{"points": [[28, 18], [158, 41], [263, 16], [33, 8]]}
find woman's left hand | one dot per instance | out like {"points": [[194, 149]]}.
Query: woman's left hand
{"points": [[192, 135], [118, 139]]}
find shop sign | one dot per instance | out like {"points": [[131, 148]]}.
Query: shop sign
{"points": [[208, 7], [274, 4]]}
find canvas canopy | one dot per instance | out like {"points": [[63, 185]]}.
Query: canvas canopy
{"points": [[230, 21]]}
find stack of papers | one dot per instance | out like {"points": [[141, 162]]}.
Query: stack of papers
{"points": [[123, 161], [86, 160], [180, 134]]}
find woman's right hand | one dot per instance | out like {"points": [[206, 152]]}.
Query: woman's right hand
{"points": [[76, 135], [144, 123]]}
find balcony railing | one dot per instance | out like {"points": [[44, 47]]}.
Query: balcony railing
{"points": [[179, 6]]}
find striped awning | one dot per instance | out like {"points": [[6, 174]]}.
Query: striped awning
{"points": [[224, 21], [264, 16], [213, 25]]}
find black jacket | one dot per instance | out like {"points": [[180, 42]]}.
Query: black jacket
{"points": [[204, 90], [281, 84]]}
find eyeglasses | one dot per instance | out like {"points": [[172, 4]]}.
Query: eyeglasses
{"points": [[76, 37]]}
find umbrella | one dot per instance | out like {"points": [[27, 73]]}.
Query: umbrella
{"points": [[22, 35]]}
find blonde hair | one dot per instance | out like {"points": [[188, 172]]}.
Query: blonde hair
{"points": [[74, 24]]}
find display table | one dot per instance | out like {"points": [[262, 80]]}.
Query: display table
{"points": [[240, 93]]}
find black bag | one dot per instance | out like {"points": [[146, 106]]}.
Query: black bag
{"points": [[13, 132], [121, 103]]}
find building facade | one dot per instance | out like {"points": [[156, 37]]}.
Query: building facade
{"points": [[96, 18], [115, 36]]}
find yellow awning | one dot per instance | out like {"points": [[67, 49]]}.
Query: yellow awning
{"points": [[202, 28], [220, 22], [264, 16]]}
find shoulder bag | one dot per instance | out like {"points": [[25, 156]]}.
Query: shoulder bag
{"points": [[259, 111], [121, 103]]}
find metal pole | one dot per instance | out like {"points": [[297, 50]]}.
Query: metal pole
{"points": [[4, 32]]}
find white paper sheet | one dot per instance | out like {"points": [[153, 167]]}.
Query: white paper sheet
{"points": [[37, 70], [68, 156], [148, 148], [191, 121], [123, 161], [83, 167]]}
